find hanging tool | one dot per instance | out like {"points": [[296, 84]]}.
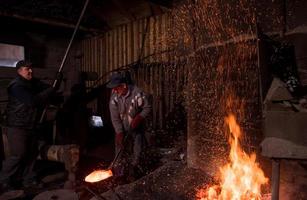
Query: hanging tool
{"points": [[67, 51]]}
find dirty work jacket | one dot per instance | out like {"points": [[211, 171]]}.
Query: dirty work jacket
{"points": [[124, 108], [25, 99]]}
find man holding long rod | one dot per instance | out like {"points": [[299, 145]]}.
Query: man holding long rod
{"points": [[27, 95]]}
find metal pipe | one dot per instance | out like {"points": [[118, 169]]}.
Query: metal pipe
{"points": [[67, 51], [72, 38], [275, 178], [119, 152]]}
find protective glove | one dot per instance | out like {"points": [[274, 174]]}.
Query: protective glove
{"points": [[137, 120], [59, 78], [119, 139]]}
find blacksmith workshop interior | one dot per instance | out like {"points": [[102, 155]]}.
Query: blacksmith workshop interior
{"points": [[153, 99]]}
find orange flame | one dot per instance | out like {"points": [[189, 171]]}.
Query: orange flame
{"points": [[98, 175], [241, 178]]}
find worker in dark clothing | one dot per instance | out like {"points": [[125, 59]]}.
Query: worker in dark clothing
{"points": [[27, 96], [129, 106]]}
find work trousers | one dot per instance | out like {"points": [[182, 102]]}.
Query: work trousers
{"points": [[131, 154], [23, 148]]}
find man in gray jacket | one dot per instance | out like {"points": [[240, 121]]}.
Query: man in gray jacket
{"points": [[129, 107]]}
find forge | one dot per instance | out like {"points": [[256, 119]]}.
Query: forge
{"points": [[226, 81]]}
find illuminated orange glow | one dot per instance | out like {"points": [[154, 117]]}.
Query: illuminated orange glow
{"points": [[241, 178], [98, 175]]}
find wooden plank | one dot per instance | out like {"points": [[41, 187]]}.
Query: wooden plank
{"points": [[161, 89], [89, 64], [86, 56], [129, 42], [115, 48], [104, 55], [94, 51], [145, 76], [107, 50], [171, 97], [120, 46], [145, 37], [167, 35], [163, 36], [97, 55], [135, 41], [98, 58], [82, 58], [111, 50], [90, 56], [157, 38], [155, 99], [167, 89], [124, 39], [140, 36], [178, 82], [151, 38], [158, 95]]}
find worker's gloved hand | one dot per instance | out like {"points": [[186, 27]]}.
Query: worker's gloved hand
{"points": [[119, 139], [137, 120], [58, 78]]}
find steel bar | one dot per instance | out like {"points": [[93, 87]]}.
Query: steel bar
{"points": [[67, 51], [119, 152]]}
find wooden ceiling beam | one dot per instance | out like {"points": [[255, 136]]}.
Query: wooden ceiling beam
{"points": [[49, 22]]}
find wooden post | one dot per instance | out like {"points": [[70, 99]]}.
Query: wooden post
{"points": [[275, 178]]}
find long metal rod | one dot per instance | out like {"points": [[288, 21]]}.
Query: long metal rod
{"points": [[72, 38], [119, 152], [67, 51]]}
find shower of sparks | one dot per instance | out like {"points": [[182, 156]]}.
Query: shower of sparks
{"points": [[218, 40]]}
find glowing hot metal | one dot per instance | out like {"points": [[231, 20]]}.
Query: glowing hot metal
{"points": [[98, 175]]}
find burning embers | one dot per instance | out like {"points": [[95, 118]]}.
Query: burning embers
{"points": [[241, 178], [98, 175]]}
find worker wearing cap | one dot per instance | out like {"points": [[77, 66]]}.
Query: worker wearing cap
{"points": [[129, 106], [26, 96]]}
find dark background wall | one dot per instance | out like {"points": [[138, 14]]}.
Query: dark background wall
{"points": [[45, 48]]}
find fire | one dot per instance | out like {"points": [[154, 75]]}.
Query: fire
{"points": [[241, 178], [98, 175]]}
